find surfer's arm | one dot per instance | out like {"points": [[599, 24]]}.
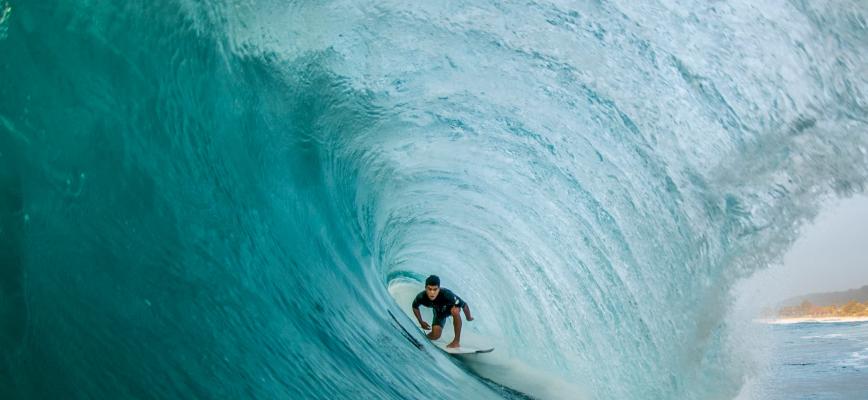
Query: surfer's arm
{"points": [[462, 305], [422, 323], [418, 314], [467, 315]]}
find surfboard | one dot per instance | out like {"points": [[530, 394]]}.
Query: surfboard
{"points": [[463, 349]]}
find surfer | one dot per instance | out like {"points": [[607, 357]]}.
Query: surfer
{"points": [[445, 304]]}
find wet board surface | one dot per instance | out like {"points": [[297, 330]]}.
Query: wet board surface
{"points": [[464, 349]]}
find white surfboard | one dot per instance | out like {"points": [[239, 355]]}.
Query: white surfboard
{"points": [[463, 349]]}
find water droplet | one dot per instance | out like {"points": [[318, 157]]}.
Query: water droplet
{"points": [[147, 302], [26, 217]]}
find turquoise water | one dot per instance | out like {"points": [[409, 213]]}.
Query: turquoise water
{"points": [[817, 361], [212, 199]]}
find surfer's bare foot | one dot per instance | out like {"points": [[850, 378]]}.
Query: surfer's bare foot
{"points": [[453, 345]]}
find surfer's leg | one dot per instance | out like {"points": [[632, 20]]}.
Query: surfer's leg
{"points": [[436, 330], [437, 323], [456, 323]]}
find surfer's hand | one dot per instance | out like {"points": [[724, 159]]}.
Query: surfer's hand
{"points": [[425, 325]]}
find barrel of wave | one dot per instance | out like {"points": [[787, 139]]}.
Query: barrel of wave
{"points": [[500, 366]]}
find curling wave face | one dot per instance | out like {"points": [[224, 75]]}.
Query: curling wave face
{"points": [[211, 200]]}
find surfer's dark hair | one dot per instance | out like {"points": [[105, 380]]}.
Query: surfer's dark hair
{"points": [[432, 280]]}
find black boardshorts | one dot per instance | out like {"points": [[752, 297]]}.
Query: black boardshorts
{"points": [[440, 315]]}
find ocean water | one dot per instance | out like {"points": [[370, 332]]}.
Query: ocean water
{"points": [[217, 199], [822, 361]]}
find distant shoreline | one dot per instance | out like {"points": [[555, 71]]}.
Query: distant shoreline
{"points": [[800, 320]]}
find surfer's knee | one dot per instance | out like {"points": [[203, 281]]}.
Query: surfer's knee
{"points": [[436, 330], [456, 312]]}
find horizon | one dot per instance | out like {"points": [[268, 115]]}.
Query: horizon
{"points": [[829, 292]]}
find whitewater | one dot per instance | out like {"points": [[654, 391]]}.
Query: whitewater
{"points": [[229, 199]]}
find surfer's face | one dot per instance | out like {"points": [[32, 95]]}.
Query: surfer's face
{"points": [[432, 291]]}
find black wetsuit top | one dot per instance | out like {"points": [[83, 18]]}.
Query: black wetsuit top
{"points": [[442, 304]]}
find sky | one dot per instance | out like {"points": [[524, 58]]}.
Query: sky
{"points": [[830, 255]]}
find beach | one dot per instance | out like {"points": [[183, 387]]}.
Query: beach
{"points": [[800, 320]]}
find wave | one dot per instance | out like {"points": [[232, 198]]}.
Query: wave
{"points": [[213, 200]]}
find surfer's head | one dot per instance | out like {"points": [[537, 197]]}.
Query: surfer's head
{"points": [[432, 286]]}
